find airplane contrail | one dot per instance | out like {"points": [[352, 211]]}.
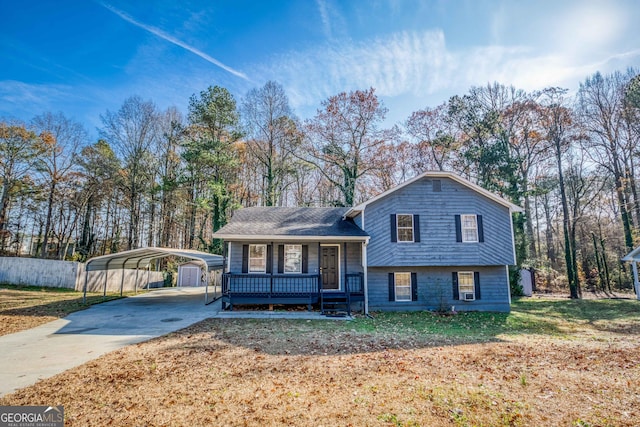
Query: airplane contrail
{"points": [[159, 33]]}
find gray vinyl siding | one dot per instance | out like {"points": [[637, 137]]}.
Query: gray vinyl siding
{"points": [[353, 259], [435, 291], [437, 210], [358, 220]]}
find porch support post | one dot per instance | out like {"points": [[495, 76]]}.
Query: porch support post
{"points": [[365, 277], [636, 279], [270, 261], [319, 267], [344, 249]]}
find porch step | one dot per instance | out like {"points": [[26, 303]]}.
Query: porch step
{"points": [[337, 305]]}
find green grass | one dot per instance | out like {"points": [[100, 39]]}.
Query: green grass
{"points": [[528, 316]]}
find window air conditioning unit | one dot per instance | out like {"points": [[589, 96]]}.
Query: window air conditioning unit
{"points": [[468, 296]]}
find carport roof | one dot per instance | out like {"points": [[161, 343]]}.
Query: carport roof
{"points": [[140, 258]]}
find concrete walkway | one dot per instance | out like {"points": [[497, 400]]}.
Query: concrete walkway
{"points": [[44, 351], [49, 349]]}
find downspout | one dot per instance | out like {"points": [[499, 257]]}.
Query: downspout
{"points": [[365, 277], [365, 269]]}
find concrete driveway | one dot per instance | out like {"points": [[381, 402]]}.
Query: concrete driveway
{"points": [[41, 352]]}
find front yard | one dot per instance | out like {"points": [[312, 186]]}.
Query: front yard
{"points": [[25, 307], [549, 362]]}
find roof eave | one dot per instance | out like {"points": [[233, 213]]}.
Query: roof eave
{"points": [[289, 238], [513, 208]]}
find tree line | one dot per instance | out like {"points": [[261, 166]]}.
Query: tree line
{"points": [[164, 178]]}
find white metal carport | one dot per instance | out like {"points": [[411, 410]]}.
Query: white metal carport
{"points": [[634, 258], [141, 259]]}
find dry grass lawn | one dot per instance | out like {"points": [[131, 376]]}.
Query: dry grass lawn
{"points": [[25, 307], [548, 363]]}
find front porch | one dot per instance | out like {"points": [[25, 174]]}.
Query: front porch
{"points": [[292, 289]]}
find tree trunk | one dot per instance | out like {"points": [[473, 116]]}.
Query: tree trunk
{"points": [[47, 227]]}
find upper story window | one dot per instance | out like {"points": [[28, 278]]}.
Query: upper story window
{"points": [[469, 228], [293, 258], [257, 258], [405, 228]]}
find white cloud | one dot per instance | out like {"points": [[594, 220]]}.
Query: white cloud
{"points": [[18, 98], [419, 64], [167, 37]]}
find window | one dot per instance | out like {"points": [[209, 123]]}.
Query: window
{"points": [[466, 286], [437, 185], [293, 258], [257, 258], [469, 228], [405, 228], [403, 286]]}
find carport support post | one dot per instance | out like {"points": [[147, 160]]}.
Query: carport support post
{"points": [[135, 285], [148, 275], [106, 277], [122, 280], [84, 288], [636, 280], [206, 285]]}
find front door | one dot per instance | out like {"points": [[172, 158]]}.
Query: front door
{"points": [[330, 268]]}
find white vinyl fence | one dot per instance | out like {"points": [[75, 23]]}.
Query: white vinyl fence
{"points": [[71, 275]]}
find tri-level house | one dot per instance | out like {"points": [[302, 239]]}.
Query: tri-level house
{"points": [[435, 242]]}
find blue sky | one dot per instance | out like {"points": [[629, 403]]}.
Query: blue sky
{"points": [[84, 57]]}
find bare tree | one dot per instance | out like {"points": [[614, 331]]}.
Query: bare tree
{"points": [[601, 106], [272, 135], [132, 131], [435, 138], [343, 137], [62, 138], [20, 148], [558, 121]]}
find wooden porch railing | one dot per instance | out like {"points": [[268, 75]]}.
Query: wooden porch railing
{"points": [[244, 288]]}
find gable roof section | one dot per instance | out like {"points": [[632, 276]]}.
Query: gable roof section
{"points": [[354, 211], [632, 256], [280, 223]]}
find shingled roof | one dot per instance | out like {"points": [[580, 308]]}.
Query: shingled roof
{"points": [[279, 223]]}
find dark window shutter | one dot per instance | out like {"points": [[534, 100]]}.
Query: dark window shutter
{"points": [[269, 258], [394, 229], [305, 259], [392, 287], [245, 258], [480, 228], [414, 287], [476, 282], [454, 287], [416, 228], [458, 229], [280, 259]]}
